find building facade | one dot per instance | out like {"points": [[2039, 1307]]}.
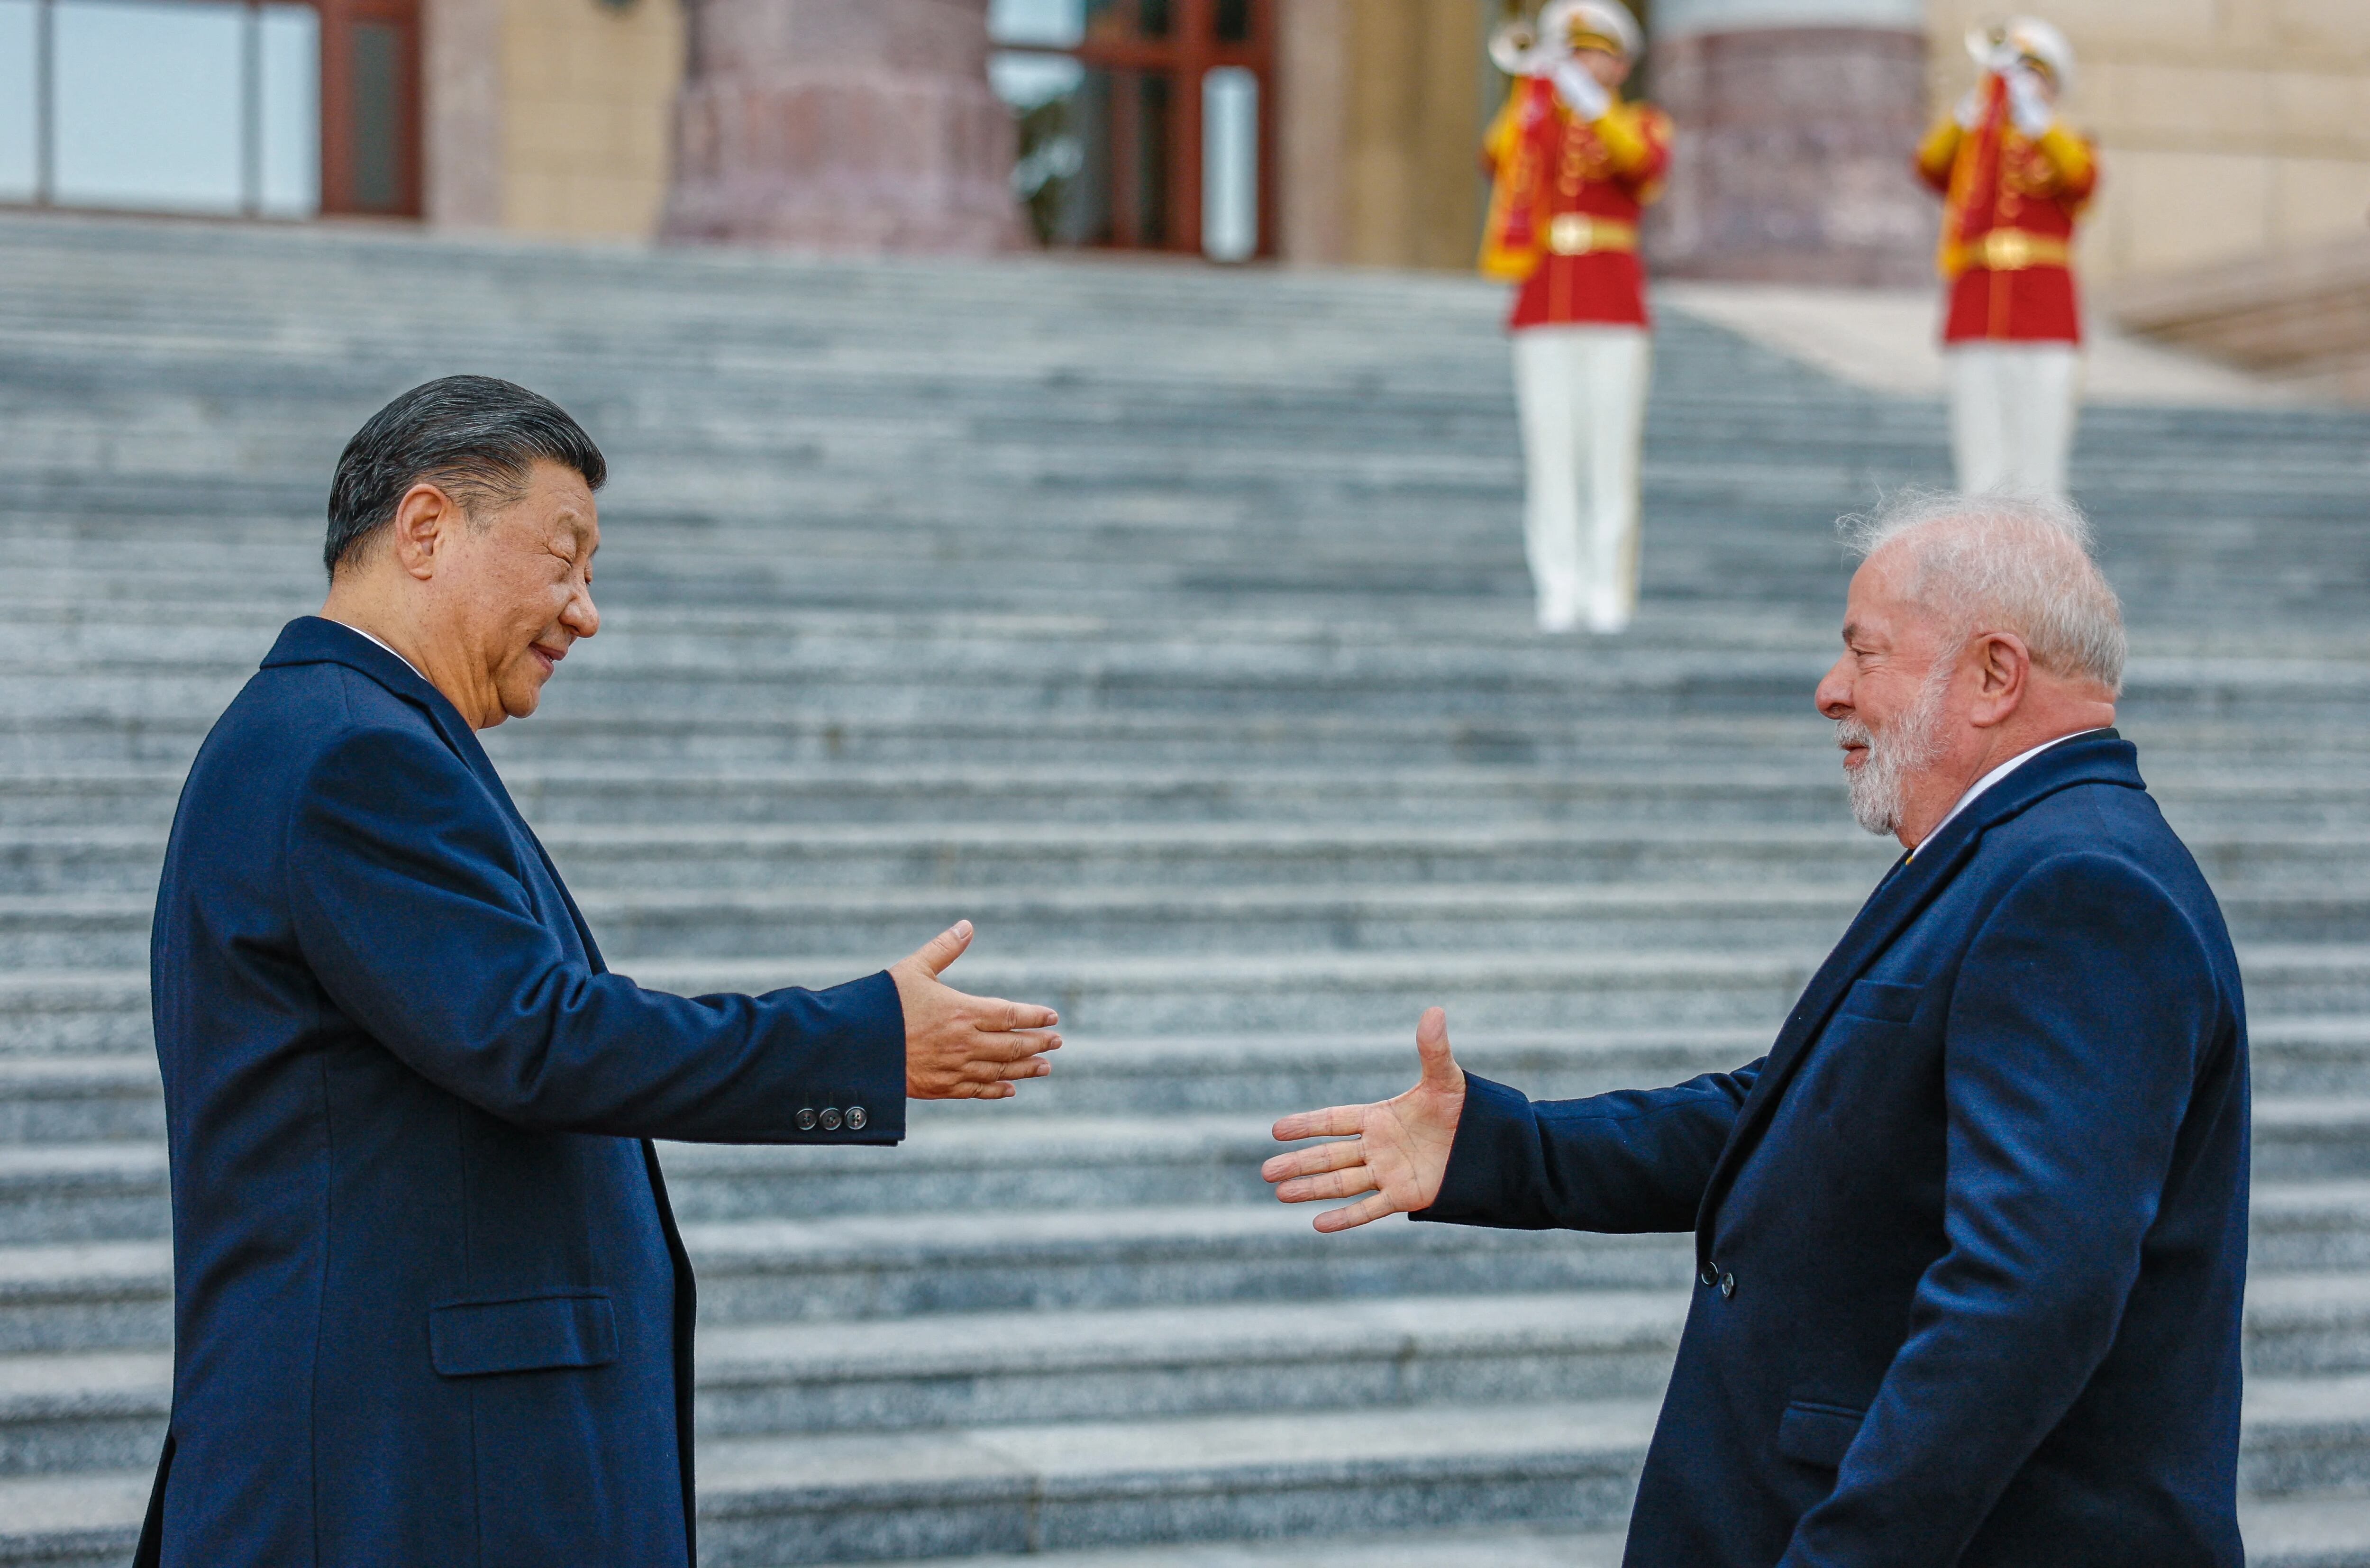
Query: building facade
{"points": [[1318, 131]]}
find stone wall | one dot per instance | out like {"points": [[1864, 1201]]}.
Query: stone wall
{"points": [[831, 125], [588, 97], [2227, 129], [1383, 105], [1790, 162], [550, 116]]}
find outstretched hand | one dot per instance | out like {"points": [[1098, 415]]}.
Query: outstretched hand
{"points": [[960, 1047], [1396, 1151]]}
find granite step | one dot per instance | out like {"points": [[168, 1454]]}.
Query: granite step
{"points": [[981, 1164], [70, 1098], [100, 1011], [104, 1410]]}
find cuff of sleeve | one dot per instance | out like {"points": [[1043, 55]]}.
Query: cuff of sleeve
{"points": [[1469, 1191], [865, 1101]]}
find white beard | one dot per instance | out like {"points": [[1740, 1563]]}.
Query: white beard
{"points": [[1906, 746]]}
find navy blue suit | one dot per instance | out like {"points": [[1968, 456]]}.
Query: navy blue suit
{"points": [[430, 1306], [1972, 1239]]}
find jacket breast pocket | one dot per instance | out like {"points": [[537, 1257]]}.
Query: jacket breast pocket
{"points": [[522, 1333], [1884, 1002], [1818, 1434]]}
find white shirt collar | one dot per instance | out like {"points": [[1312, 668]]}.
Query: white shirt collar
{"points": [[415, 669], [1993, 777]]}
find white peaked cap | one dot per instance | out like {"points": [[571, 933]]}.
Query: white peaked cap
{"points": [[1606, 19], [2032, 37]]}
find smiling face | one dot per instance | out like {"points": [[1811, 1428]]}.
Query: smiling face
{"points": [[517, 593]]}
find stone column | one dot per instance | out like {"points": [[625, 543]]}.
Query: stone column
{"points": [[847, 125], [1795, 123], [461, 105]]}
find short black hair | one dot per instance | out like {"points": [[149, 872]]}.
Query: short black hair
{"points": [[476, 436]]}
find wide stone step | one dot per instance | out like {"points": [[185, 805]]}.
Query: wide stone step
{"points": [[53, 930], [124, 811], [102, 1011], [1632, 691], [100, 1411], [117, 1191], [80, 742], [69, 1098], [844, 1266], [89, 1522]]}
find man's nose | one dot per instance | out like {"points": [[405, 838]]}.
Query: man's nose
{"points": [[581, 615], [1834, 693]]}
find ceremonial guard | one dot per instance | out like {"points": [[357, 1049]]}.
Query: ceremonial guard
{"points": [[2013, 179], [1572, 166]]}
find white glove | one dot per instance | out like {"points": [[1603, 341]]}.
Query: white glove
{"points": [[1970, 112], [1583, 92], [2027, 105]]}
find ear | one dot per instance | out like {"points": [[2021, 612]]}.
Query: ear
{"points": [[2003, 667], [426, 520]]}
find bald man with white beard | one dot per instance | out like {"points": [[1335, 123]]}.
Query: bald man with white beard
{"points": [[1971, 1239]]}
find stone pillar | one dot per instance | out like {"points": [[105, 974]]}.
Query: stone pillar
{"points": [[847, 125], [1795, 124], [461, 79]]}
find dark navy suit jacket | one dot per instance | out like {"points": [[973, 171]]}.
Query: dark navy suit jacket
{"points": [[430, 1306], [1972, 1239]]}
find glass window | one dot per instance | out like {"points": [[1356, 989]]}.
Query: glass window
{"points": [[20, 86], [377, 77], [1229, 164], [1146, 134], [1231, 21], [1127, 19], [288, 112], [149, 110], [1047, 24]]}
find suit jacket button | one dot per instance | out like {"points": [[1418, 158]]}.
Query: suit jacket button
{"points": [[1727, 1286], [1711, 1274], [856, 1118], [830, 1120], [805, 1119]]}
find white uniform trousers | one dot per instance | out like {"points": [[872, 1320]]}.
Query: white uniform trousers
{"points": [[1581, 390], [2012, 412]]}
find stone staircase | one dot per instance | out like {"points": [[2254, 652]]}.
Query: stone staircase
{"points": [[1171, 624]]}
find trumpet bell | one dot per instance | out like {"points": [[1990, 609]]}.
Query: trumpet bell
{"points": [[1515, 48]]}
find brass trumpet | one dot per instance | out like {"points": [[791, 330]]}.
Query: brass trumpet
{"points": [[1517, 48]]}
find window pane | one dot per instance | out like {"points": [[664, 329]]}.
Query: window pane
{"points": [[1061, 178], [377, 124], [1233, 21], [1229, 164], [18, 82], [1050, 24], [1146, 131], [148, 103], [1125, 18], [1030, 81], [289, 111]]}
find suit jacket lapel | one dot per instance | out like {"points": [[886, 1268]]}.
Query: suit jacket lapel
{"points": [[311, 639], [1899, 899]]}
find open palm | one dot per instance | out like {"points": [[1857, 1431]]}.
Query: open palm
{"points": [[1396, 1150]]}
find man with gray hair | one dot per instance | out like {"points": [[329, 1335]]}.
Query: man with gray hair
{"points": [[1971, 1239]]}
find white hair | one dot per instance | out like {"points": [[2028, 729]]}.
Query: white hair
{"points": [[1997, 562]]}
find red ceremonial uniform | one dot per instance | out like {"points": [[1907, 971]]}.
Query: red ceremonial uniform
{"points": [[2010, 202], [1565, 203]]}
